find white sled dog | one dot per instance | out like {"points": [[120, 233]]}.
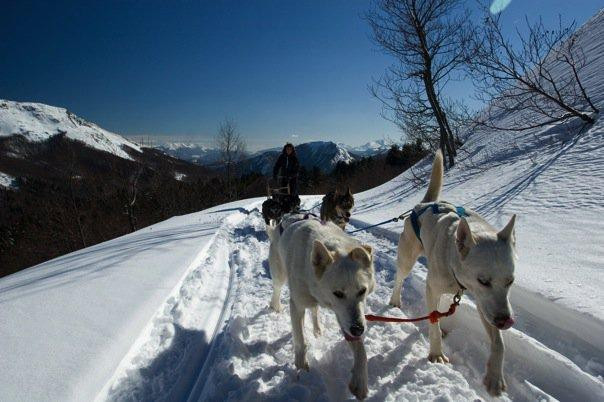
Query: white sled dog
{"points": [[323, 267], [463, 252]]}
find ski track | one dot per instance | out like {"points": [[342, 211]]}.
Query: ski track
{"points": [[165, 361], [216, 339]]}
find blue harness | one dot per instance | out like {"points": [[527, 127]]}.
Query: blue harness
{"points": [[440, 207]]}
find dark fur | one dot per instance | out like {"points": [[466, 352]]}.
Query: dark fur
{"points": [[280, 204], [336, 207]]}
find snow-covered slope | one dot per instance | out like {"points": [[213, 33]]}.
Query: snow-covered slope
{"points": [[39, 122], [67, 323]]}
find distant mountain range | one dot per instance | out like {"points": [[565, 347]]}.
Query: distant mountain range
{"points": [[38, 123], [191, 152], [323, 154]]}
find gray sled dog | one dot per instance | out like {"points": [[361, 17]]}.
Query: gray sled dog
{"points": [[336, 207], [323, 267], [463, 252]]}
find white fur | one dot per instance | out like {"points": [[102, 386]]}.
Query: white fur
{"points": [[318, 259], [470, 249]]}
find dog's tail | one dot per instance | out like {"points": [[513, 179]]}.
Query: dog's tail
{"points": [[436, 179]]}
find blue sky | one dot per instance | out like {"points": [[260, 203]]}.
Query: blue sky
{"points": [[283, 70]]}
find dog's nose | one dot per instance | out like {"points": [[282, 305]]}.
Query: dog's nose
{"points": [[348, 214], [357, 330], [503, 321]]}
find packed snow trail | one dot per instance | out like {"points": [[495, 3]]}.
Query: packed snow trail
{"points": [[216, 339]]}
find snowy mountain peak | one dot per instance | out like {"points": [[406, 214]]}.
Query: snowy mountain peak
{"points": [[39, 122], [370, 148]]}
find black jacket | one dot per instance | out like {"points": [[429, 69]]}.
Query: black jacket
{"points": [[287, 165]]}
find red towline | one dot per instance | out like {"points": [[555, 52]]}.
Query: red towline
{"points": [[434, 316]]}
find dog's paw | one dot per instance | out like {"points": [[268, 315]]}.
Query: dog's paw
{"points": [[276, 307], [495, 384], [358, 387], [395, 303], [438, 358], [301, 362]]}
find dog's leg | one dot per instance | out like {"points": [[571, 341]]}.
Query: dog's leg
{"points": [[409, 248], [494, 380], [358, 383], [297, 316], [315, 321], [278, 276], [436, 350]]}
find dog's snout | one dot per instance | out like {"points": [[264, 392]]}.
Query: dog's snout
{"points": [[357, 330], [503, 321], [348, 214]]}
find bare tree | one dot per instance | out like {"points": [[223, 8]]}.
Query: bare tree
{"points": [[232, 150], [130, 193], [540, 76], [427, 38]]}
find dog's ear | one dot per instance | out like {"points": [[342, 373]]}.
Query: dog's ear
{"points": [[464, 238], [361, 255], [367, 248], [507, 233], [348, 190], [321, 257]]}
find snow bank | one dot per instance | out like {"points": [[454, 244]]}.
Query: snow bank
{"points": [[67, 324]]}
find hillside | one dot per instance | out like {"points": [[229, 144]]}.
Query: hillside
{"points": [[61, 175], [37, 122]]}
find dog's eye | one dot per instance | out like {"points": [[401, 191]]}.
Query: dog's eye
{"points": [[484, 282], [362, 291], [509, 283], [338, 294]]}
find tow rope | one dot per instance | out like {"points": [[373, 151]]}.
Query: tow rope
{"points": [[311, 208], [396, 219], [434, 316]]}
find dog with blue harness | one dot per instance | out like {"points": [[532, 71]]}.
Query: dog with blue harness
{"points": [[464, 253]]}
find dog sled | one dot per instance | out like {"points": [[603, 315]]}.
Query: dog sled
{"points": [[279, 202]]}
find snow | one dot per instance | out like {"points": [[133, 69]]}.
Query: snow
{"points": [[39, 122], [7, 181], [180, 176], [179, 310], [67, 323]]}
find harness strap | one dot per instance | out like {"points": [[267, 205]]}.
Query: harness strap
{"points": [[437, 208], [306, 216]]}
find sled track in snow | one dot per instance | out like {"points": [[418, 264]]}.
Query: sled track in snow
{"points": [[169, 359]]}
